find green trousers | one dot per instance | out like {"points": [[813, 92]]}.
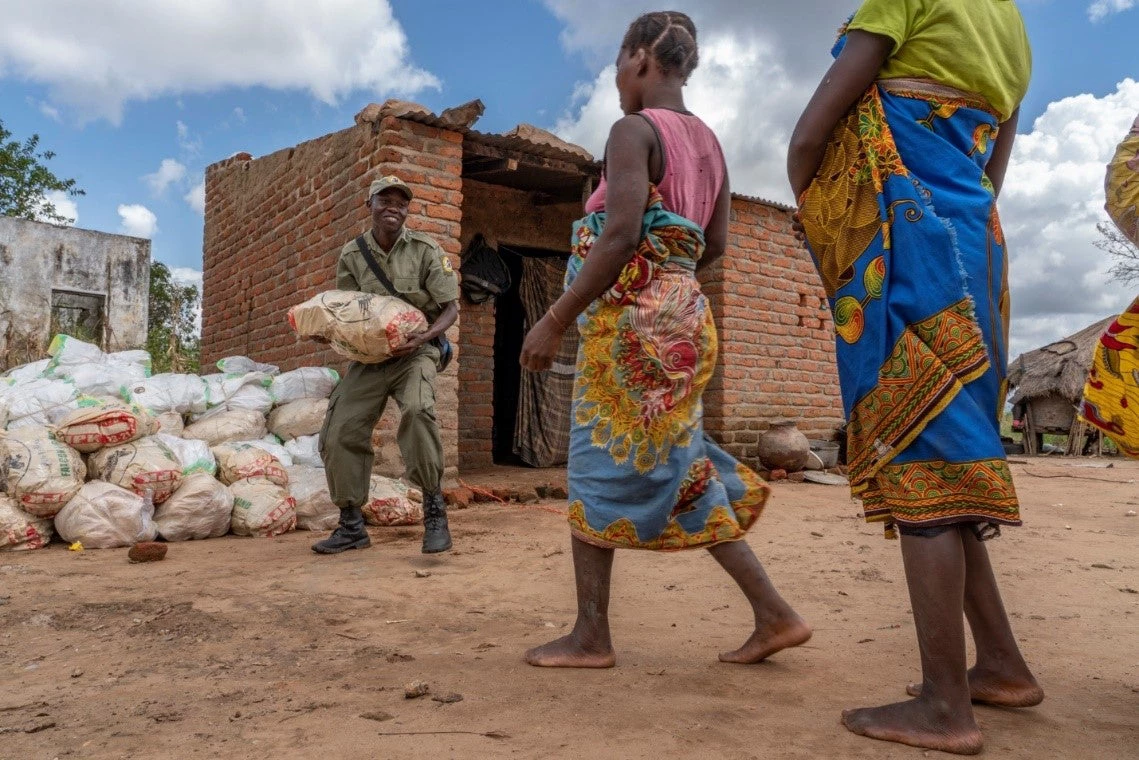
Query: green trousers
{"points": [[356, 406]]}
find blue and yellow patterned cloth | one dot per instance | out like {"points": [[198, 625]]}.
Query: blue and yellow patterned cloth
{"points": [[903, 225], [642, 474]]}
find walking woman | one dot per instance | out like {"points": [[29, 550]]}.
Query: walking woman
{"points": [[897, 162], [641, 472], [1111, 395]]}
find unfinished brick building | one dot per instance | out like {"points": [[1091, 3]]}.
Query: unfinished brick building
{"points": [[275, 225]]}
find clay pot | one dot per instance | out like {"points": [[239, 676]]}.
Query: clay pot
{"points": [[783, 447]]}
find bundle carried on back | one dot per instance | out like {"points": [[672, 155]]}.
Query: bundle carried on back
{"points": [[360, 326]]}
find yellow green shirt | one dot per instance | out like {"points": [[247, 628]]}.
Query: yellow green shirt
{"points": [[979, 46], [416, 265]]}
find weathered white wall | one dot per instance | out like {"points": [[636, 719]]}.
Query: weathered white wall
{"points": [[36, 258]]}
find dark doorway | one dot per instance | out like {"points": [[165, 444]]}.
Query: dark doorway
{"points": [[509, 332]]}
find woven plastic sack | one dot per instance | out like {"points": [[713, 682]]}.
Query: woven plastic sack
{"points": [[297, 418], [21, 531], [168, 392], [104, 378], [272, 444], [361, 326], [306, 382], [146, 467], [247, 390], [200, 508], [309, 488], [239, 365], [193, 455], [67, 351], [389, 503], [104, 516], [170, 423], [32, 371], [134, 356], [261, 508], [103, 423], [44, 401], [40, 473], [244, 459], [228, 425], [305, 451]]}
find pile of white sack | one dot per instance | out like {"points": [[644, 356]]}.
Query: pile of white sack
{"points": [[97, 449]]}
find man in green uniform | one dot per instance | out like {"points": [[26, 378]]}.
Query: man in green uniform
{"points": [[415, 269]]}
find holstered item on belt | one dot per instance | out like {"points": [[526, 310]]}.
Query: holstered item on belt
{"points": [[446, 351]]}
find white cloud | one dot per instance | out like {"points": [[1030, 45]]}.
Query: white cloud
{"points": [[138, 221], [196, 197], [1101, 9], [190, 144], [169, 172], [96, 57], [64, 206], [1050, 204], [239, 114]]}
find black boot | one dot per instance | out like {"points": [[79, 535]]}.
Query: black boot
{"points": [[350, 534], [436, 535]]}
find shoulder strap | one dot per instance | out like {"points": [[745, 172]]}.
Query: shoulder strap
{"points": [[374, 265]]}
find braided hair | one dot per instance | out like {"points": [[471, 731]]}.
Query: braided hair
{"points": [[669, 37]]}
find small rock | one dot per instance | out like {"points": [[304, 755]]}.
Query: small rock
{"points": [[797, 477], [147, 551], [379, 717], [422, 574], [528, 497], [542, 491], [779, 474], [459, 498], [1067, 527], [816, 534], [1102, 566], [447, 699], [416, 689], [1129, 513], [78, 672], [552, 553], [558, 492]]}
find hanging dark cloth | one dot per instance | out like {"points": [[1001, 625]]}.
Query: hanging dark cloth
{"points": [[541, 431]]}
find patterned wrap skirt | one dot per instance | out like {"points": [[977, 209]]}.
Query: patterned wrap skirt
{"points": [[642, 473], [902, 223]]}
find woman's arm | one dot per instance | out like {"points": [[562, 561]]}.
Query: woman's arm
{"points": [[845, 82], [627, 177], [716, 235], [1002, 151]]}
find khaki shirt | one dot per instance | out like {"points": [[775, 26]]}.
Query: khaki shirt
{"points": [[418, 268]]}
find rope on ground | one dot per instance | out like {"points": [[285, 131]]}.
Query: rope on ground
{"points": [[1079, 477], [490, 496]]}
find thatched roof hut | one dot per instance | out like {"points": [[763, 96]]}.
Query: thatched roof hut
{"points": [[1048, 383], [1059, 368]]}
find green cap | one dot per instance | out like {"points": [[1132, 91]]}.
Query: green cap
{"points": [[391, 182]]}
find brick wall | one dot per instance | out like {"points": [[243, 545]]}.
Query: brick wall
{"points": [[275, 226], [504, 216], [776, 343]]}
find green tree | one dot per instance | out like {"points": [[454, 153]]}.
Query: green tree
{"points": [[172, 332], [1122, 250], [25, 180]]}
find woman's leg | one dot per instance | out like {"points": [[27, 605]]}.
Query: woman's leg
{"points": [[941, 717], [1000, 676], [588, 645], [777, 626]]}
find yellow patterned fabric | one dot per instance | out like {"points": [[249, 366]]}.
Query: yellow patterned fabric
{"points": [[1111, 395], [1122, 185]]}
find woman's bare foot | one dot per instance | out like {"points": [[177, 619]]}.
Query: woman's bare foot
{"points": [[767, 640], [569, 652], [917, 724], [988, 688]]}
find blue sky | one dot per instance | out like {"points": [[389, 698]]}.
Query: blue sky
{"points": [[123, 94]]}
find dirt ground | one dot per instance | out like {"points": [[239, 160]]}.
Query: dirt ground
{"points": [[257, 648]]}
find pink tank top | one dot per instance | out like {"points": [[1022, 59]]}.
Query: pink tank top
{"points": [[693, 167]]}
